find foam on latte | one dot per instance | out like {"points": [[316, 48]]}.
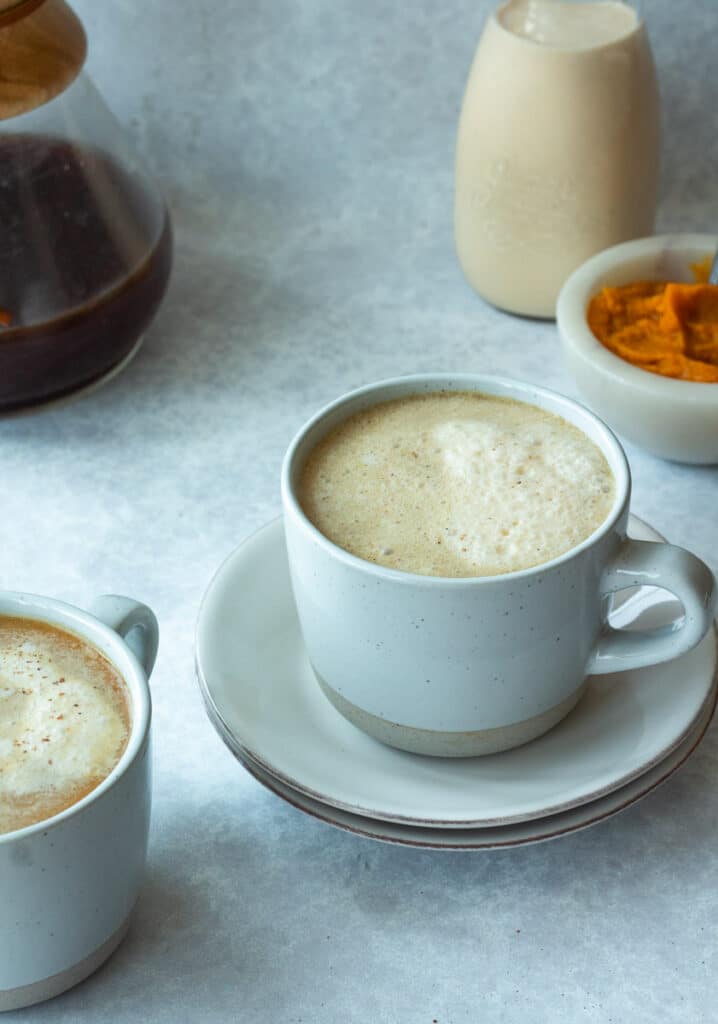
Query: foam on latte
{"points": [[456, 484], [64, 720]]}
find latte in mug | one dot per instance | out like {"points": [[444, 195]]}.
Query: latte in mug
{"points": [[456, 484], [64, 720], [505, 507]]}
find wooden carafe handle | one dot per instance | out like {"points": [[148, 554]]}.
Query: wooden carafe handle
{"points": [[42, 50]]}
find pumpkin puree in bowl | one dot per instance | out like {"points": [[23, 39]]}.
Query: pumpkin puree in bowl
{"points": [[661, 326]]}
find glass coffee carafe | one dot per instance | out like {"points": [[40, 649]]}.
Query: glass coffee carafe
{"points": [[85, 238]]}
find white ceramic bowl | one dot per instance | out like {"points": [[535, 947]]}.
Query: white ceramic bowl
{"points": [[675, 419]]}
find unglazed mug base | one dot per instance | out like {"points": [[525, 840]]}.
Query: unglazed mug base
{"points": [[437, 743], [48, 988]]}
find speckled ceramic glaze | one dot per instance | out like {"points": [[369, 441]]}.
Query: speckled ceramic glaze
{"points": [[458, 667], [68, 884]]}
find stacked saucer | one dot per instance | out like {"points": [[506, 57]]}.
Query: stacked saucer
{"points": [[629, 732]]}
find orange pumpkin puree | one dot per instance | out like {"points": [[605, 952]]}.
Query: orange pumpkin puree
{"points": [[666, 328]]}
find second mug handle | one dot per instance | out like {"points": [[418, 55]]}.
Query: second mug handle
{"points": [[647, 563], [135, 623]]}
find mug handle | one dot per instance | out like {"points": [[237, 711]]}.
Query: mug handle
{"points": [[135, 623], [648, 563]]}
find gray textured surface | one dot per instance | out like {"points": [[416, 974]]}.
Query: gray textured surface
{"points": [[306, 149]]}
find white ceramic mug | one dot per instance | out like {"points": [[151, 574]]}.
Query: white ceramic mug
{"points": [[68, 884], [467, 666]]}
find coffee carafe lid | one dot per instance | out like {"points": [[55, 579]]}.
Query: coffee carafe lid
{"points": [[42, 50]]}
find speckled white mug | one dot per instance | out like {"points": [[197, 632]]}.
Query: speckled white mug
{"points": [[457, 667], [68, 884]]}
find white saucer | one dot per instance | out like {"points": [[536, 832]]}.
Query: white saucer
{"points": [[262, 697], [521, 833]]}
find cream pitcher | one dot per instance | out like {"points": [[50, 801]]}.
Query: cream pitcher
{"points": [[558, 146]]}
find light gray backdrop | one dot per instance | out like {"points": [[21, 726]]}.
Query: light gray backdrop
{"points": [[306, 151]]}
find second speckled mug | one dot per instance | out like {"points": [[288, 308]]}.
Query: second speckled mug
{"points": [[68, 883], [476, 665]]}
